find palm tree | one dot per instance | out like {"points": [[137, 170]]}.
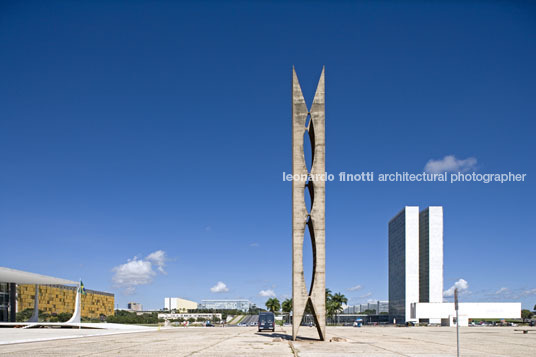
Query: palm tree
{"points": [[330, 304], [287, 305], [273, 304], [328, 295], [338, 300]]}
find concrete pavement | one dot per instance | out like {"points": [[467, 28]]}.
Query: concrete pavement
{"points": [[246, 341]]}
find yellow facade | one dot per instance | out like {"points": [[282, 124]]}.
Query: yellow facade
{"points": [[55, 299]]}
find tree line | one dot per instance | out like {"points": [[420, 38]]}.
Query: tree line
{"points": [[334, 304]]}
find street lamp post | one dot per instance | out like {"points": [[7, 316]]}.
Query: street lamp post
{"points": [[457, 323]]}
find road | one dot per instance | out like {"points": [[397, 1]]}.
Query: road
{"points": [[249, 319]]}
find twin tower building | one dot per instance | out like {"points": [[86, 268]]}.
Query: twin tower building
{"points": [[415, 261]]}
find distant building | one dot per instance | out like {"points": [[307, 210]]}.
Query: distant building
{"points": [[237, 304], [416, 274], [403, 263], [178, 304], [378, 307], [383, 307], [134, 306], [186, 316]]}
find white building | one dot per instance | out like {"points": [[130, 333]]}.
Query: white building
{"points": [[403, 263], [226, 304], [178, 304], [445, 313], [431, 256], [416, 273], [186, 316], [134, 306]]}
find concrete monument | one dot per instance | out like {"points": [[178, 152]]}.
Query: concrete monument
{"points": [[308, 125]]}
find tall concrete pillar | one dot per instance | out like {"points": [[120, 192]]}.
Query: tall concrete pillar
{"points": [[308, 125], [12, 302]]}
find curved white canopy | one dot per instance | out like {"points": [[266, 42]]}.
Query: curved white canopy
{"points": [[8, 275]]}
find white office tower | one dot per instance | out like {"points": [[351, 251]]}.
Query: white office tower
{"points": [[403, 264], [431, 256]]}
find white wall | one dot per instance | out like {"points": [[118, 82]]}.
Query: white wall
{"points": [[435, 252], [178, 303], [412, 258], [473, 310]]}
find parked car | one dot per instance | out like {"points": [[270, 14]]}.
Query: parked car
{"points": [[266, 321]]}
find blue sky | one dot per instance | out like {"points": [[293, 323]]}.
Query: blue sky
{"points": [[129, 128]]}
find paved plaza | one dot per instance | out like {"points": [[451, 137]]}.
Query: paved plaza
{"points": [[246, 341]]}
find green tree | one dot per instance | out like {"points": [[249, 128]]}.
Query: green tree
{"points": [[328, 295], [287, 305], [24, 315], [273, 304], [337, 301], [254, 310], [127, 317], [64, 316], [526, 314], [330, 305]]}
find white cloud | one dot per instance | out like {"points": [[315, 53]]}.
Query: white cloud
{"points": [[137, 272], [267, 293], [462, 286], [528, 292], [369, 294], [133, 273], [158, 258], [501, 291], [450, 164], [220, 287], [254, 244], [355, 288]]}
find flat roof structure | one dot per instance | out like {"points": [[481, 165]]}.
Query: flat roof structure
{"points": [[8, 275]]}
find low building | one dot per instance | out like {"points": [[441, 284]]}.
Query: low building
{"points": [[206, 316], [378, 307], [55, 296], [178, 304], [350, 318], [446, 313], [57, 299], [236, 304], [134, 306]]}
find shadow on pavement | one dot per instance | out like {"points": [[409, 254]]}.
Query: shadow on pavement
{"points": [[284, 336]]}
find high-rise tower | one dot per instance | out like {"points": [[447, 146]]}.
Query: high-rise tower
{"points": [[403, 263], [415, 261]]}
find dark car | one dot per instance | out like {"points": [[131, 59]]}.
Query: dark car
{"points": [[266, 321]]}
